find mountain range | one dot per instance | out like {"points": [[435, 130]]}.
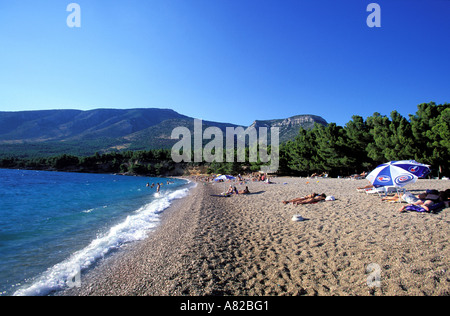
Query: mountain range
{"points": [[52, 132]]}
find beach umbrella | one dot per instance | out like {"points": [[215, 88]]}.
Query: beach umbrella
{"points": [[224, 177], [398, 173]]}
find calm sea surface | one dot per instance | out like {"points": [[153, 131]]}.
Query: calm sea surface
{"points": [[54, 225]]}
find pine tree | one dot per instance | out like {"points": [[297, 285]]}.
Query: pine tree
{"points": [[332, 151], [430, 126], [359, 138]]}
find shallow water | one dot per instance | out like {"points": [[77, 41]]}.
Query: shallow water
{"points": [[55, 225]]}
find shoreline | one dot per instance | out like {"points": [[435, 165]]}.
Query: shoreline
{"points": [[247, 245], [119, 220], [128, 270]]}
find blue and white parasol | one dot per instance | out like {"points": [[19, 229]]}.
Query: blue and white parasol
{"points": [[224, 177], [398, 173]]}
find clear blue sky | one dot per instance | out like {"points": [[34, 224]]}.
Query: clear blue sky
{"points": [[226, 60]]}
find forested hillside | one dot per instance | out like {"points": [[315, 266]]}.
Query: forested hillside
{"points": [[359, 146], [37, 134]]}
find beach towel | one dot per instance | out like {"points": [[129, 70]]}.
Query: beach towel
{"points": [[415, 208]]}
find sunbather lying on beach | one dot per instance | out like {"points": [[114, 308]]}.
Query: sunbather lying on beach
{"points": [[363, 189], [300, 199], [394, 198], [245, 191], [315, 199], [312, 198]]}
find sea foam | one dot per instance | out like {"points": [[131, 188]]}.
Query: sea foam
{"points": [[134, 228]]}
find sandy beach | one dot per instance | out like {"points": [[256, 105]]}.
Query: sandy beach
{"points": [[248, 245]]}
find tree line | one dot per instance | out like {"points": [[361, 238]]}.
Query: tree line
{"points": [[152, 162], [359, 146]]}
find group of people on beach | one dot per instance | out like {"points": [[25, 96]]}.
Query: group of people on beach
{"points": [[322, 175], [260, 177], [241, 179], [233, 190], [431, 201]]}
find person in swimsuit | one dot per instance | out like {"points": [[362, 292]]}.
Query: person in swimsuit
{"points": [[245, 191], [312, 198]]}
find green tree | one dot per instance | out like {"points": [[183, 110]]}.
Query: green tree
{"points": [[379, 130], [430, 128], [298, 155], [64, 161], [359, 137], [400, 143], [332, 149]]}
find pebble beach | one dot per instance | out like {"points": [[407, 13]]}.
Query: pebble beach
{"points": [[248, 245]]}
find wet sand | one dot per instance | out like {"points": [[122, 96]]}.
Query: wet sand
{"points": [[248, 245]]}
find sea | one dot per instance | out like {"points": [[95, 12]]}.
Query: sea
{"points": [[55, 226]]}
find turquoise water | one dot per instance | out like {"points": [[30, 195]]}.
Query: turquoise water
{"points": [[55, 225]]}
